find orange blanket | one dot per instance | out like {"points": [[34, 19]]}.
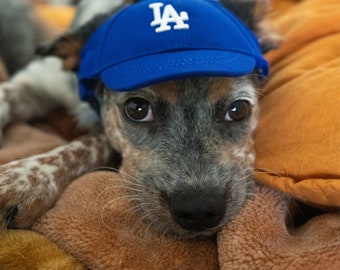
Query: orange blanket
{"points": [[298, 137], [298, 152]]}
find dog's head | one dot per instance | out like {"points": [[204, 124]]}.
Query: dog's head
{"points": [[185, 136], [187, 148]]}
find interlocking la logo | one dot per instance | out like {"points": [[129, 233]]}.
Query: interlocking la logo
{"points": [[169, 15]]}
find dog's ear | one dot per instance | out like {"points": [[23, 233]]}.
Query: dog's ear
{"points": [[69, 45], [254, 14]]}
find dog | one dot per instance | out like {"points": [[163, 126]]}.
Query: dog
{"points": [[184, 134]]}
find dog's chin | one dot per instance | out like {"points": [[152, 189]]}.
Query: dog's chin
{"points": [[177, 232], [164, 225], [183, 234]]}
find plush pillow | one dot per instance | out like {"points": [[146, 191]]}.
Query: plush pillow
{"points": [[298, 136]]}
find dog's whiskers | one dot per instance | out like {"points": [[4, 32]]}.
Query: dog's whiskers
{"points": [[104, 208], [261, 170], [145, 218]]}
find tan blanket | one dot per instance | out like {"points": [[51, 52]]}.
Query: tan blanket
{"points": [[97, 224], [298, 152]]}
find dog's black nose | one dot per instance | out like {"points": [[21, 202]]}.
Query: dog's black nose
{"points": [[197, 210]]}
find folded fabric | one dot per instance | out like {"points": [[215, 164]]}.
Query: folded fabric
{"points": [[23, 250], [298, 136]]}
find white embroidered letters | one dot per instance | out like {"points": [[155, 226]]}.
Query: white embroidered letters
{"points": [[170, 15]]}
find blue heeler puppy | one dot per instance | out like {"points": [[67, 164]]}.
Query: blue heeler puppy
{"points": [[175, 83]]}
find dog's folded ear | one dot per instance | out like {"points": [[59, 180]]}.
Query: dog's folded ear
{"points": [[67, 47], [254, 14]]}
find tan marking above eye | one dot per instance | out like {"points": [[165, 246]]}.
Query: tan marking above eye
{"points": [[219, 89], [167, 91]]}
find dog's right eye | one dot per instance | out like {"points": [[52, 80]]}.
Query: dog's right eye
{"points": [[138, 109], [238, 111]]}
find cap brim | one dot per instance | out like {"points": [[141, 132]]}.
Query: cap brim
{"points": [[151, 69]]}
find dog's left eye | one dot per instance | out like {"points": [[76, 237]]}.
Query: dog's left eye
{"points": [[238, 111], [138, 109]]}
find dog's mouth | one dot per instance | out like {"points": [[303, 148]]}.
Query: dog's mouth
{"points": [[196, 235], [188, 214], [192, 208]]}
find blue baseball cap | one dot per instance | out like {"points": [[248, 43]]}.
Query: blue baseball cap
{"points": [[158, 40]]}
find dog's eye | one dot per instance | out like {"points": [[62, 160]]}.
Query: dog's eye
{"points": [[138, 110], [238, 111]]}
